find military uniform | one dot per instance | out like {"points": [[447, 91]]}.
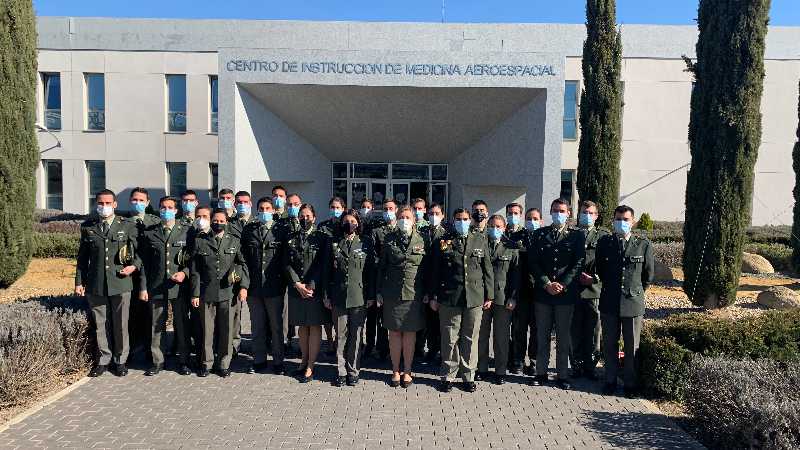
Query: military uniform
{"points": [[236, 226], [626, 268], [400, 281], [586, 317], [555, 256], [330, 227], [164, 252], [262, 249], [347, 274], [464, 280], [496, 321], [303, 260], [377, 336], [429, 336], [108, 292], [522, 319], [216, 264], [139, 318]]}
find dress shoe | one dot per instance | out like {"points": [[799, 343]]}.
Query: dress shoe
{"points": [[184, 370], [278, 369], [299, 372], [515, 369], [564, 384], [306, 379], [224, 373], [394, 383], [98, 370], [470, 386], [529, 370], [481, 376], [121, 370], [406, 383], [340, 381], [539, 380], [152, 371], [499, 380], [630, 392], [260, 367], [445, 386], [352, 380], [202, 372]]}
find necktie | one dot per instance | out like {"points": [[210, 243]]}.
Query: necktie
{"points": [[105, 227]]}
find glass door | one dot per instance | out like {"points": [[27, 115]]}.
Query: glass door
{"points": [[358, 190], [400, 193]]}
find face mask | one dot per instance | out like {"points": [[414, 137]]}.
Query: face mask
{"points": [[585, 220], [293, 211], [167, 214], [419, 214], [336, 213], [306, 224], [105, 211], [622, 227], [188, 206], [436, 220], [495, 233], [559, 218], [479, 216], [202, 224], [217, 227], [265, 217], [279, 202], [243, 209], [349, 227], [532, 225], [365, 212], [389, 216], [405, 225], [225, 204], [513, 219], [139, 207], [461, 227]]}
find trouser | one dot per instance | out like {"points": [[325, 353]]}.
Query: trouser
{"points": [[180, 324], [546, 317], [585, 335], [110, 314], [495, 322], [522, 343], [349, 325], [631, 328], [139, 325], [377, 335], [266, 322], [460, 327], [217, 320], [236, 326], [196, 326]]}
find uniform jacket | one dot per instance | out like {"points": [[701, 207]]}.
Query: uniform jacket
{"points": [[330, 227], [399, 269], [432, 235], [463, 267], [347, 268], [211, 266], [98, 256], [162, 256], [520, 239], [236, 225], [262, 248], [626, 272], [375, 240], [555, 258], [591, 237], [505, 264], [304, 258]]}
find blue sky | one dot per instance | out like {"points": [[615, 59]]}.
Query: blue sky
{"points": [[784, 12]]}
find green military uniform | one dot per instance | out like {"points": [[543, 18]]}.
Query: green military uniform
{"points": [[464, 279], [429, 336], [330, 227], [108, 292], [556, 255], [236, 226], [303, 261], [496, 321], [164, 253], [214, 259], [347, 273], [139, 319], [626, 268], [262, 249], [422, 224], [586, 317], [522, 319], [400, 281]]}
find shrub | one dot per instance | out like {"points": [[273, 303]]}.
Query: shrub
{"points": [[56, 215], [745, 404], [645, 222], [664, 345], [779, 255], [668, 253], [55, 245], [61, 226]]}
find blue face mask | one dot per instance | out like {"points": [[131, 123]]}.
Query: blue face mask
{"points": [[225, 204], [389, 216], [265, 217], [188, 206], [419, 214], [532, 225], [365, 212], [559, 218], [585, 220], [513, 219], [243, 209], [139, 207], [167, 214], [279, 202], [494, 233], [461, 227], [336, 213], [622, 227], [293, 211]]}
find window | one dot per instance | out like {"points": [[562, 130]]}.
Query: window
{"points": [[54, 184], [176, 103], [176, 174], [95, 102], [51, 88], [213, 171], [214, 126], [567, 185], [570, 110], [97, 178]]}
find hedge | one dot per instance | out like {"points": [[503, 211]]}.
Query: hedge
{"points": [[41, 340], [55, 245], [766, 234], [667, 347], [745, 404], [779, 255]]}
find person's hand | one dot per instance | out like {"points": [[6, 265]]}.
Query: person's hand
{"points": [[559, 288], [243, 295], [554, 288], [127, 270], [178, 277], [80, 291], [301, 289], [196, 302], [143, 296], [585, 279], [434, 305], [487, 304], [511, 304], [327, 303]]}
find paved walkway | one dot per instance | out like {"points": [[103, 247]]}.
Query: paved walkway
{"points": [[268, 411]]}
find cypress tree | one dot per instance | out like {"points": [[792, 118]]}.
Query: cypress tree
{"points": [[796, 192], [599, 149], [724, 136], [18, 148]]}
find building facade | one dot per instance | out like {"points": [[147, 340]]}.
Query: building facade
{"points": [[446, 112]]}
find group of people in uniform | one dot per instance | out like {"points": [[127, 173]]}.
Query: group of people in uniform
{"points": [[397, 283]]}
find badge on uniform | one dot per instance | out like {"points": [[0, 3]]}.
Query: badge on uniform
{"points": [[418, 249], [443, 244], [477, 252]]}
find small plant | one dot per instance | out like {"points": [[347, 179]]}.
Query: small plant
{"points": [[645, 222]]}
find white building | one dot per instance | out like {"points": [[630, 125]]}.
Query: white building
{"points": [[450, 112]]}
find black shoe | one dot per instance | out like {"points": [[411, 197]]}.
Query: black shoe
{"points": [[470, 386], [529, 370], [515, 369], [224, 373], [609, 389], [564, 384], [306, 379], [299, 372], [121, 370], [352, 380], [98, 370], [203, 372], [631, 392], [499, 380], [152, 371], [445, 386], [405, 384], [481, 376], [340, 381], [278, 369], [538, 380], [394, 383], [257, 367], [184, 370]]}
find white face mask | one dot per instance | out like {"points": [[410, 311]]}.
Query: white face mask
{"points": [[105, 211], [436, 220], [405, 225], [202, 224]]}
